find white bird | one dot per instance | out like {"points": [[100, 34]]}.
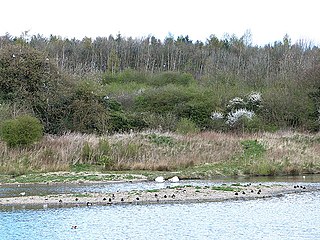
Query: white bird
{"points": [[23, 193], [159, 179], [174, 179]]}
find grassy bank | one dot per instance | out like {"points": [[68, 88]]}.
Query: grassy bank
{"points": [[201, 155]]}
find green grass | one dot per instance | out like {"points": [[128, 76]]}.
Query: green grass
{"points": [[65, 177], [152, 190], [224, 188]]}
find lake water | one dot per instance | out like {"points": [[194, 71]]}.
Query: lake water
{"points": [[294, 216]]}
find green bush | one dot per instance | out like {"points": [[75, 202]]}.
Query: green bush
{"points": [[175, 78], [185, 126], [161, 140], [163, 100], [22, 131], [287, 106], [162, 122], [125, 76]]}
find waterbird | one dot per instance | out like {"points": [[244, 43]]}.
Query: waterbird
{"points": [[76, 199], [109, 199], [104, 199], [23, 193], [165, 196], [60, 201], [74, 227], [137, 198], [236, 193], [156, 195], [173, 196], [174, 179], [89, 204], [113, 197], [122, 199], [159, 179]]}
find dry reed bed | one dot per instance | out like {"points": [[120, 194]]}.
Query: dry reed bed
{"points": [[155, 151]]}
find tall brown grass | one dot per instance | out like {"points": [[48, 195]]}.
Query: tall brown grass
{"points": [[163, 151]]}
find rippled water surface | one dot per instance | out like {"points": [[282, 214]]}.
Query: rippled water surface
{"points": [[294, 216]]}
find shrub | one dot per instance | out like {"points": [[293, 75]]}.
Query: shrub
{"points": [[287, 107], [172, 78], [185, 126], [161, 140], [163, 100], [162, 122], [125, 76], [22, 131]]}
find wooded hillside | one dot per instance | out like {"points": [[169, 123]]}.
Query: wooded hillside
{"points": [[116, 84]]}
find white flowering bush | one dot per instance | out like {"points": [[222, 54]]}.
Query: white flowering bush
{"points": [[240, 112], [236, 103], [235, 116], [255, 97], [254, 100], [217, 116]]}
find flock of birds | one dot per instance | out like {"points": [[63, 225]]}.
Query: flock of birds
{"points": [[159, 179]]}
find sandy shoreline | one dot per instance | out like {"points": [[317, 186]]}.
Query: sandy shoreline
{"points": [[178, 194]]}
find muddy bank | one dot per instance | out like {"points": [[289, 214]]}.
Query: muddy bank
{"points": [[177, 194]]}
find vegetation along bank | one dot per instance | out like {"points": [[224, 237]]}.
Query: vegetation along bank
{"points": [[220, 107]]}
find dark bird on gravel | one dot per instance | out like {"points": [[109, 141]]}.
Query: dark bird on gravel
{"points": [[165, 196], [156, 195], [110, 199], [60, 201], [76, 199], [137, 199], [173, 196], [89, 204], [122, 199], [236, 193], [104, 199]]}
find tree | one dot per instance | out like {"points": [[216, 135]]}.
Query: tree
{"points": [[28, 77]]}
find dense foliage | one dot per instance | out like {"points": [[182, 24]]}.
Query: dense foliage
{"points": [[123, 84], [22, 131]]}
